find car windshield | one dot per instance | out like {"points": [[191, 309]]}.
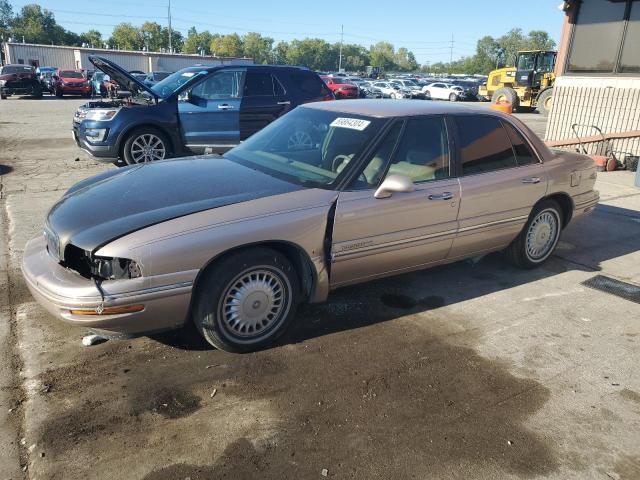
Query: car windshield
{"points": [[68, 74], [174, 81], [307, 147], [157, 76], [16, 69]]}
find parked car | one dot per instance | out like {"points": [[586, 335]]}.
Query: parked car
{"points": [[468, 89], [411, 87], [196, 110], [152, 78], [236, 243], [42, 71], [70, 82], [370, 91], [389, 89], [19, 80], [341, 88], [443, 91]]}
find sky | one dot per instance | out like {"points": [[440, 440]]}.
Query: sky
{"points": [[425, 27]]}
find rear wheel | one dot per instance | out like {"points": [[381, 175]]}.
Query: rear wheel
{"points": [[506, 94], [538, 239], [37, 91], [145, 145], [247, 300], [545, 102]]}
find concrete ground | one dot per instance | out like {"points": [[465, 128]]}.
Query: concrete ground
{"points": [[464, 371]]}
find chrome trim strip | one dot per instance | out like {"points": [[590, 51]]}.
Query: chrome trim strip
{"points": [[147, 291], [491, 224], [337, 256]]}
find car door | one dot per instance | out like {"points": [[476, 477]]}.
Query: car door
{"points": [[441, 91], [374, 237], [501, 179], [210, 111], [263, 100]]}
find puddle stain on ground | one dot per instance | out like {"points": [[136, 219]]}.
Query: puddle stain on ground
{"points": [[376, 401]]}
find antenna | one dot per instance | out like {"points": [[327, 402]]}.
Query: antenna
{"points": [[341, 39], [169, 15]]}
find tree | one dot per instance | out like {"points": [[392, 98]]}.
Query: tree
{"points": [[152, 38], [37, 26], [540, 40], [126, 37], [354, 57], [280, 53], [6, 16], [227, 45], [313, 53], [93, 38], [197, 43], [257, 47], [405, 60], [382, 54]]}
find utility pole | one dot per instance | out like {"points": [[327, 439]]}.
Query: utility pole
{"points": [[169, 14], [451, 51], [341, 39]]}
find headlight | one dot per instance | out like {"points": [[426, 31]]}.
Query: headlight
{"points": [[3, 83], [96, 134], [102, 114], [115, 268]]}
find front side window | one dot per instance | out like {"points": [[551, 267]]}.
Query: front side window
{"points": [[307, 146], [219, 86], [422, 153], [597, 36], [484, 145]]}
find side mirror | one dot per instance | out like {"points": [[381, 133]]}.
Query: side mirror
{"points": [[393, 184]]}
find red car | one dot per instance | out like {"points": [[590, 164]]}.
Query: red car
{"points": [[340, 88], [70, 82]]}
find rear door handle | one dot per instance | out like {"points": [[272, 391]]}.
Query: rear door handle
{"points": [[288, 102], [224, 106], [441, 196], [531, 180]]}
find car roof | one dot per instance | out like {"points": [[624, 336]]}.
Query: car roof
{"points": [[389, 109], [211, 68]]}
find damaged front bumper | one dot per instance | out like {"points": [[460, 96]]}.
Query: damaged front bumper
{"points": [[142, 307]]}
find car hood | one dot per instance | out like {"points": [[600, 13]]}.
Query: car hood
{"points": [[117, 202], [121, 76]]}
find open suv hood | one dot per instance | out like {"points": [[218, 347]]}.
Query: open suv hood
{"points": [[121, 76]]}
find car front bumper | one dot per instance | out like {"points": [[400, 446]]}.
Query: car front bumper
{"points": [[107, 153], [60, 291]]}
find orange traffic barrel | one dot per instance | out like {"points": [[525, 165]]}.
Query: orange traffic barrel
{"points": [[504, 107]]}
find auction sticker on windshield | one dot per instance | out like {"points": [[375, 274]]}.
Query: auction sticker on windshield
{"points": [[353, 123]]}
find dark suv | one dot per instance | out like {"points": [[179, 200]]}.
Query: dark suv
{"points": [[196, 110], [19, 80]]}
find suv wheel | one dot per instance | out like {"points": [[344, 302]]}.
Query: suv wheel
{"points": [[145, 145], [247, 300]]}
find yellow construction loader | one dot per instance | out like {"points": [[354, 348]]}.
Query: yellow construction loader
{"points": [[528, 85]]}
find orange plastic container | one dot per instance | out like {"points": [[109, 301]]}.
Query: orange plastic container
{"points": [[600, 161], [504, 107]]}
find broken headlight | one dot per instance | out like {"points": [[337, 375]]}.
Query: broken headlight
{"points": [[115, 268]]}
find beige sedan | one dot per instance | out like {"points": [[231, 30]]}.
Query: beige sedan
{"points": [[331, 194]]}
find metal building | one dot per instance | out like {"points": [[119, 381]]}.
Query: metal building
{"points": [[78, 58]]}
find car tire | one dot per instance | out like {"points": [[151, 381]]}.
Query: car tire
{"points": [[545, 102], [539, 237], [453, 97], [37, 92], [3, 97], [58, 93], [506, 94], [393, 95], [245, 301], [134, 149]]}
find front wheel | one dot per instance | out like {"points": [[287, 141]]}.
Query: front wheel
{"points": [[453, 97], [145, 145], [246, 301], [545, 102], [539, 238]]}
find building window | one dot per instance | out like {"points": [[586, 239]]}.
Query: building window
{"points": [[630, 60], [603, 30]]}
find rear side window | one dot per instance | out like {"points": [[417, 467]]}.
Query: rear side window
{"points": [[524, 154], [258, 84], [484, 145], [310, 85]]}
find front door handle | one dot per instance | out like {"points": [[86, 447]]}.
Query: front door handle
{"points": [[288, 102], [441, 196], [531, 180], [224, 106]]}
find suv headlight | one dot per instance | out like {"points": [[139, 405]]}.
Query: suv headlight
{"points": [[101, 114], [3, 83]]}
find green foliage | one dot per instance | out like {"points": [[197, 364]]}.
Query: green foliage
{"points": [[197, 43], [126, 37], [257, 47], [226, 45], [6, 15], [93, 38]]}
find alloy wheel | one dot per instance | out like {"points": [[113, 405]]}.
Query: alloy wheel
{"points": [[147, 148]]}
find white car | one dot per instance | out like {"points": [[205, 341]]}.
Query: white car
{"points": [[443, 91], [388, 89]]}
